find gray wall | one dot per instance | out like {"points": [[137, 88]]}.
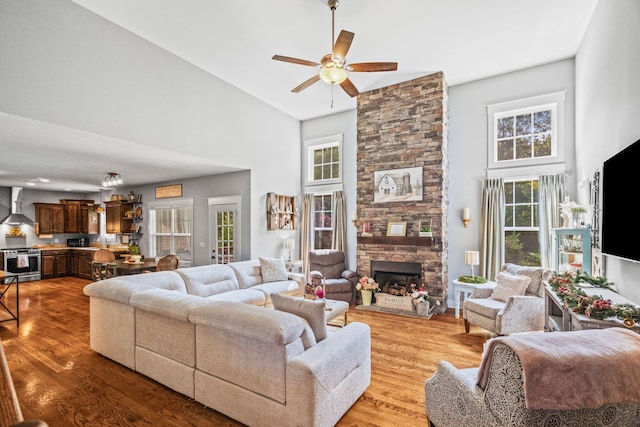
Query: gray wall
{"points": [[608, 107], [61, 64]]}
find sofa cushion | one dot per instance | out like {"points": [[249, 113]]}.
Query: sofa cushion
{"points": [[272, 269], [207, 280], [122, 288], [509, 285], [310, 310], [247, 272], [486, 307], [246, 296]]}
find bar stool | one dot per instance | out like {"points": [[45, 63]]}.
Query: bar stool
{"points": [[102, 266]]}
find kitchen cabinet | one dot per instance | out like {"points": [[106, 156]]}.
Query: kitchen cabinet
{"points": [[117, 221], [90, 219], [572, 249], [54, 263], [75, 215], [80, 263], [49, 218]]}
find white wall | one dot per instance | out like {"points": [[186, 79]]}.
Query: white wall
{"points": [[345, 124], [61, 64], [608, 106], [468, 144]]}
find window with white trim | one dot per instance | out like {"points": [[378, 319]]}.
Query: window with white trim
{"points": [[324, 160], [322, 220], [521, 224], [171, 228], [526, 132]]}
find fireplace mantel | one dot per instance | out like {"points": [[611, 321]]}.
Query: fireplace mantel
{"points": [[396, 241]]}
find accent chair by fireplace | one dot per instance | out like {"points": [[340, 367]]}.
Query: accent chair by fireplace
{"points": [[329, 264]]}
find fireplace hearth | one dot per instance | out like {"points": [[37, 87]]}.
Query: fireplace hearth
{"points": [[395, 277]]}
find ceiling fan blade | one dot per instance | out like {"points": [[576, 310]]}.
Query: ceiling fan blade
{"points": [[373, 66], [342, 45], [295, 60], [350, 88], [306, 83]]}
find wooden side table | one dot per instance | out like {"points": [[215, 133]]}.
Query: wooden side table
{"points": [[466, 289]]}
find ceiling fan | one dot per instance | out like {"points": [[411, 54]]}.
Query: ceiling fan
{"points": [[333, 66]]}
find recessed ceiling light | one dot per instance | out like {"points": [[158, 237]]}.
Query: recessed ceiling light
{"points": [[31, 183], [42, 180], [67, 189]]}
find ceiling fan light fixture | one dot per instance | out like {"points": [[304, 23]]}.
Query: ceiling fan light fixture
{"points": [[333, 75]]}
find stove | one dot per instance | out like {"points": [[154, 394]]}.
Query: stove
{"points": [[23, 262]]}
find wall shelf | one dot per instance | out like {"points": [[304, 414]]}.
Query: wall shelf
{"points": [[282, 212]]}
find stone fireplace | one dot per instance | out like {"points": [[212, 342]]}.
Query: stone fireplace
{"points": [[405, 126]]}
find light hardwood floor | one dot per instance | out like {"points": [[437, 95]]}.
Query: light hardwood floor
{"points": [[59, 379]]}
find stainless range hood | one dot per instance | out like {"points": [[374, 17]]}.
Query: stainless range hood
{"points": [[17, 217]]}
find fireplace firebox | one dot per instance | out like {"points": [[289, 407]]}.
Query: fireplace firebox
{"points": [[396, 277]]}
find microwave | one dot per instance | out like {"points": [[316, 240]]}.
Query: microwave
{"points": [[80, 242]]}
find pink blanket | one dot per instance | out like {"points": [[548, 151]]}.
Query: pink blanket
{"points": [[574, 370]]}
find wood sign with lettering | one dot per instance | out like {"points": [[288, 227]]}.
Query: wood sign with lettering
{"points": [[169, 191]]}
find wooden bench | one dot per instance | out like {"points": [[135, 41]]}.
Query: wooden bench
{"points": [[10, 413]]}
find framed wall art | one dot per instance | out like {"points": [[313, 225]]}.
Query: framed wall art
{"points": [[398, 185], [398, 228]]}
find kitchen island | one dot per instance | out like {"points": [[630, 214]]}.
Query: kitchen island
{"points": [[61, 260]]}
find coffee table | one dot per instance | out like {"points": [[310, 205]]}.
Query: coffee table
{"points": [[338, 315]]}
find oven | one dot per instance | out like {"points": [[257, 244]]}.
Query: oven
{"points": [[23, 262]]}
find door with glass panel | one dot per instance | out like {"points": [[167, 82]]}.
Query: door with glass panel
{"points": [[224, 239]]}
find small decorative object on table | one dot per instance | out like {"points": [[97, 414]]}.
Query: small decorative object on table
{"points": [[367, 287], [420, 299]]}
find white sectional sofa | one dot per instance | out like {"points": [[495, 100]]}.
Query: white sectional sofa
{"points": [[211, 334]]}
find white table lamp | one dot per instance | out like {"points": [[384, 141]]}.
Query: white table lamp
{"points": [[288, 244], [472, 258]]}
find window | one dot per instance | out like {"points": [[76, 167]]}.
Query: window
{"points": [[171, 227], [521, 226], [526, 132], [322, 221], [324, 160]]}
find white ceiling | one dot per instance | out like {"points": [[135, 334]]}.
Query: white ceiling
{"points": [[235, 40]]}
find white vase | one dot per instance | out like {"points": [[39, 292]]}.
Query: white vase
{"points": [[366, 296]]}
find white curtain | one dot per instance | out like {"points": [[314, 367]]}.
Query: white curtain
{"points": [[339, 222], [492, 238], [551, 191], [306, 228]]}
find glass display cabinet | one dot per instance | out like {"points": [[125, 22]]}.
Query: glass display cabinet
{"points": [[572, 249]]}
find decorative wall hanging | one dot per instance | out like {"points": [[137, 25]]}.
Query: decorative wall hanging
{"points": [[282, 212], [398, 185]]}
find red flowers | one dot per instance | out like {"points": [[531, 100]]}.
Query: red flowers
{"points": [[601, 304]]}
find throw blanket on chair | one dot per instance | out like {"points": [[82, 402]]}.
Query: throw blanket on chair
{"points": [[574, 370]]}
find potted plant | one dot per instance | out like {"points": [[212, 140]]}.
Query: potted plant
{"points": [[134, 253], [425, 230]]}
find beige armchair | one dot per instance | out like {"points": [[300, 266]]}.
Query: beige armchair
{"points": [[495, 394], [329, 264], [519, 313]]}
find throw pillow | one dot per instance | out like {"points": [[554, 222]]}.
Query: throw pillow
{"points": [[508, 285], [310, 310], [272, 269]]}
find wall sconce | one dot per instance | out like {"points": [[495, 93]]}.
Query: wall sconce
{"points": [[466, 216], [354, 218], [472, 258]]}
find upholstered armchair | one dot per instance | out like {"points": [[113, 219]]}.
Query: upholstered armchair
{"points": [[558, 390], [511, 314], [329, 264]]}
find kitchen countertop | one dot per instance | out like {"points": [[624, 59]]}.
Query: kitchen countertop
{"points": [[89, 248]]}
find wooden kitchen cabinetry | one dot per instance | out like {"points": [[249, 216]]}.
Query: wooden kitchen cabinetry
{"points": [[80, 263], [90, 220], [49, 217], [116, 222], [54, 263], [74, 212]]}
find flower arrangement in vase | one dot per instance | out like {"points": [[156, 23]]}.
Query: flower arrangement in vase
{"points": [[367, 286]]}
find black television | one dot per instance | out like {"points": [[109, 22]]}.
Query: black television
{"points": [[616, 233]]}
